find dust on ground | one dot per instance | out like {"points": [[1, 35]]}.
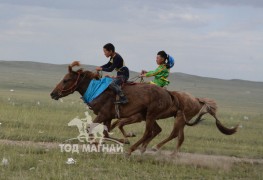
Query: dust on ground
{"points": [[198, 160]]}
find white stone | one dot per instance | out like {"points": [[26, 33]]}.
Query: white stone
{"points": [[5, 162], [246, 118], [70, 161]]}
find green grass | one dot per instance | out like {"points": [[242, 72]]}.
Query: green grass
{"points": [[29, 114], [47, 121], [32, 163]]}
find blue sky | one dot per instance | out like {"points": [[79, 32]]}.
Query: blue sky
{"points": [[213, 38]]}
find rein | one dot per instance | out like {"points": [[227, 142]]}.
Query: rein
{"points": [[136, 78], [100, 74]]}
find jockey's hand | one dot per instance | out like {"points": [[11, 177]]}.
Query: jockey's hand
{"points": [[98, 68], [143, 72]]}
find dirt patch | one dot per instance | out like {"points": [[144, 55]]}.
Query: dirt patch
{"points": [[198, 160], [201, 160]]}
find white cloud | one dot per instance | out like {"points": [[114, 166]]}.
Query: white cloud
{"points": [[200, 38]]}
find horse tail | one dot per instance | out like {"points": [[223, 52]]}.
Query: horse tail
{"points": [[210, 104], [196, 121], [206, 104], [223, 129], [211, 108]]}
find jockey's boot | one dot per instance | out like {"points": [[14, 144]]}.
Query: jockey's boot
{"points": [[123, 99], [118, 91]]}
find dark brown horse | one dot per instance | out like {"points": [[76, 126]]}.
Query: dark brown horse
{"points": [[191, 107], [150, 100]]}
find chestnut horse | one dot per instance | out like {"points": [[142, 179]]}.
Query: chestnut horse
{"points": [[150, 100], [191, 107]]}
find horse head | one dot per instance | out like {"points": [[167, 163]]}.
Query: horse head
{"points": [[72, 81]]}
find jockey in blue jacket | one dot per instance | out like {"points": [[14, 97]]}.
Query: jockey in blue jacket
{"points": [[115, 63]]}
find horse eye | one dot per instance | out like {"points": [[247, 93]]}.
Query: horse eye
{"points": [[66, 80]]}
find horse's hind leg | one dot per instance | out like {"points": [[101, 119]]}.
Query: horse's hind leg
{"points": [[180, 141], [178, 124], [156, 130], [173, 135]]}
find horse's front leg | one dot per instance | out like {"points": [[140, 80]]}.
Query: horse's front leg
{"points": [[101, 119], [126, 121], [124, 141], [107, 123]]}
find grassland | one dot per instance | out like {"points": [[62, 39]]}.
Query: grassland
{"points": [[28, 114]]}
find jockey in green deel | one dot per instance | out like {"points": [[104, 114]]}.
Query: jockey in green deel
{"points": [[161, 73]]}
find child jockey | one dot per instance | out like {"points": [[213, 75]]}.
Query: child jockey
{"points": [[162, 72], [116, 62]]}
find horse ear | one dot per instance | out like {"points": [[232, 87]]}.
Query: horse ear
{"points": [[74, 63], [69, 69], [80, 70]]}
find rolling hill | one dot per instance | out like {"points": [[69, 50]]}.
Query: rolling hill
{"points": [[238, 94]]}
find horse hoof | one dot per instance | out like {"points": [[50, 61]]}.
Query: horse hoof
{"points": [[127, 154], [155, 149], [174, 154], [131, 134], [142, 150], [126, 141]]}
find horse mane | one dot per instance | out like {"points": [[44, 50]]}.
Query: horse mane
{"points": [[73, 64], [91, 75], [88, 73]]}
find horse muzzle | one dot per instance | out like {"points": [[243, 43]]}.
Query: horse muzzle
{"points": [[54, 96]]}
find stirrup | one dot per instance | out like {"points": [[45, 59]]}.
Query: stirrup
{"points": [[121, 101]]}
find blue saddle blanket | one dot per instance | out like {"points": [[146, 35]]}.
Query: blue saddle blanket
{"points": [[95, 88]]}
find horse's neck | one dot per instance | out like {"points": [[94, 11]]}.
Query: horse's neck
{"points": [[84, 85]]}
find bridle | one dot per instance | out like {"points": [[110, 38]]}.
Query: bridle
{"points": [[72, 88]]}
